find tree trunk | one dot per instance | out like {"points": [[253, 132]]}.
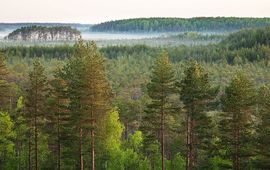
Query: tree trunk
{"points": [[187, 142], [192, 145], [19, 154], [92, 140], [126, 131], [58, 143], [36, 144], [29, 151], [35, 124], [81, 155], [18, 148], [236, 159], [92, 150], [238, 149], [162, 139]]}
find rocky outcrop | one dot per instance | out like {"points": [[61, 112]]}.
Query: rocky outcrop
{"points": [[39, 33]]}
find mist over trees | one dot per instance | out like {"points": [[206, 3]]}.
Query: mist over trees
{"points": [[137, 107]]}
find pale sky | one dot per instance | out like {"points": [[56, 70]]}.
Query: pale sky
{"points": [[96, 11]]}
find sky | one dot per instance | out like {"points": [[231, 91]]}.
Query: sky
{"points": [[96, 11]]}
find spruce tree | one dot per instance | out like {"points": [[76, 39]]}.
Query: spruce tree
{"points": [[196, 94], [159, 89], [235, 125], [36, 104]]}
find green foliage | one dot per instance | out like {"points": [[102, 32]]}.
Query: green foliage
{"points": [[77, 90], [113, 132], [36, 105], [236, 123], [178, 162], [196, 94], [247, 38], [59, 52], [21, 130], [7, 135], [180, 24], [217, 163], [4, 86], [255, 47], [24, 32], [263, 129], [159, 89], [135, 141]]}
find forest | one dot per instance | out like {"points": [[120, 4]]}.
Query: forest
{"points": [[201, 24], [138, 107]]}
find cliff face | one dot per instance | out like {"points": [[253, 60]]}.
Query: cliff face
{"points": [[38, 33]]}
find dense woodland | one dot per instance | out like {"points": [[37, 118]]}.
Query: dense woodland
{"points": [[137, 107], [204, 24], [14, 26]]}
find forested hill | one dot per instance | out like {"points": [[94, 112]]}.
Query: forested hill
{"points": [[39, 33], [180, 24], [248, 38]]}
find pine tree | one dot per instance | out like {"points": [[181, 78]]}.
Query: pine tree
{"points": [[4, 91], [88, 91], [235, 126], [20, 127], [196, 94], [36, 104], [160, 88], [263, 129], [58, 117], [98, 92], [74, 76]]}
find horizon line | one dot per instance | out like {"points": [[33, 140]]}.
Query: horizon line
{"points": [[85, 23]]}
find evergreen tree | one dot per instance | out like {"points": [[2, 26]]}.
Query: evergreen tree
{"points": [[235, 126], [36, 105], [88, 91], [4, 91], [58, 117], [21, 129], [196, 94], [97, 90], [263, 129], [74, 75], [160, 88]]}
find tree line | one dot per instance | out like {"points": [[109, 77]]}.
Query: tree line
{"points": [[24, 31], [204, 24], [253, 47]]}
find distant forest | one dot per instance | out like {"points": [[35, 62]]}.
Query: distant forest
{"points": [[27, 30], [248, 45], [180, 24]]}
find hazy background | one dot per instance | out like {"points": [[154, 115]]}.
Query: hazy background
{"points": [[95, 11]]}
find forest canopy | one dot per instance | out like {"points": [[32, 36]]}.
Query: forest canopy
{"points": [[137, 107], [201, 24]]}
